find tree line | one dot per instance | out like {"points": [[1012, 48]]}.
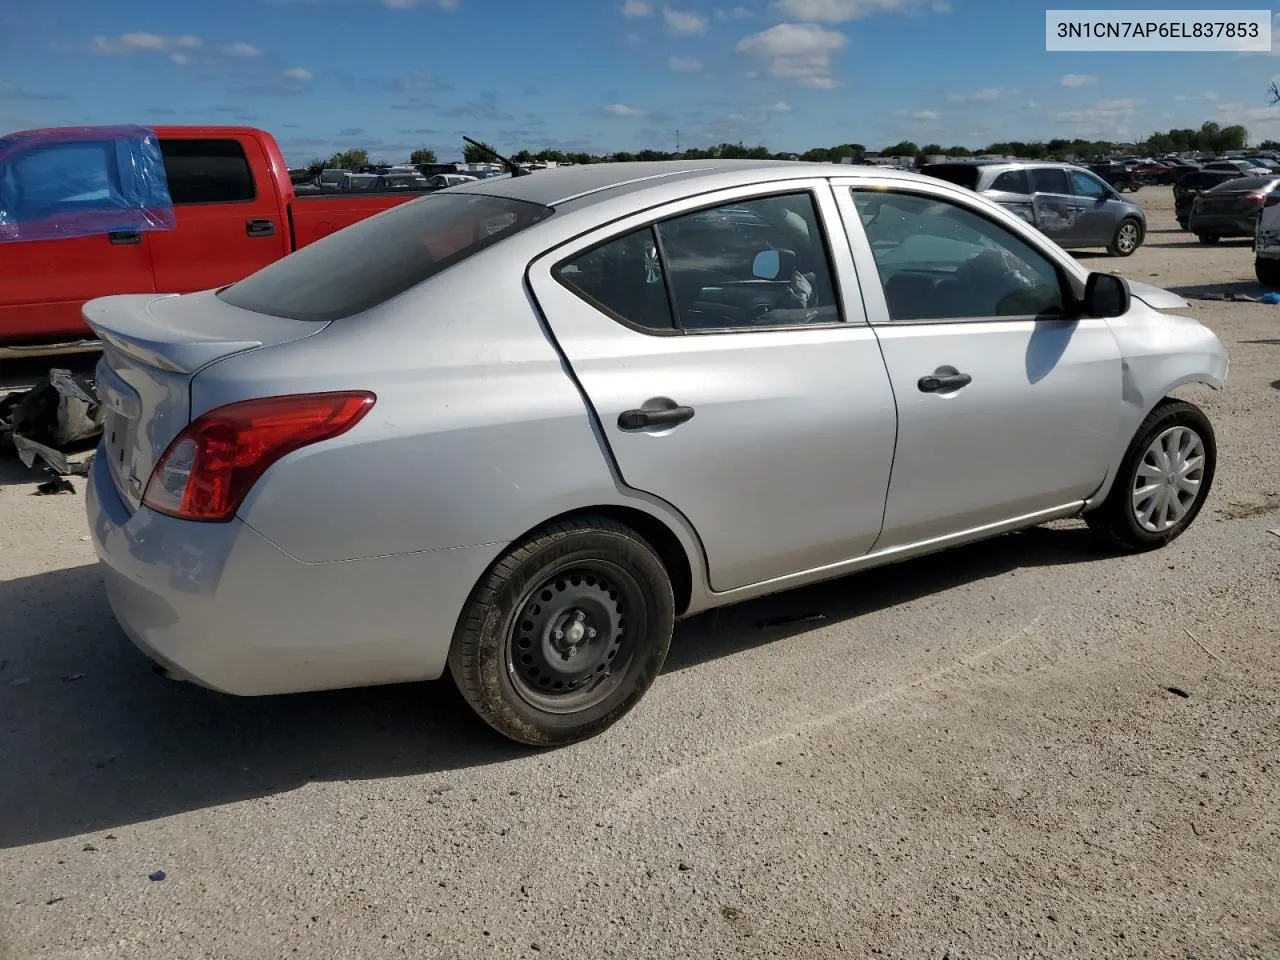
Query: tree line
{"points": [[1210, 138]]}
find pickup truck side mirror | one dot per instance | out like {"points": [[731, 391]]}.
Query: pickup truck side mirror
{"points": [[1105, 295]]}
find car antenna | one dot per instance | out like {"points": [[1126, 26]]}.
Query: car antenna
{"points": [[514, 168]]}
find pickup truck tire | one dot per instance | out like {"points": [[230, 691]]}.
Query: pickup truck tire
{"points": [[1208, 238], [1127, 239], [1267, 270], [565, 632], [1119, 519]]}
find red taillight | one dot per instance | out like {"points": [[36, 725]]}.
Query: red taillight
{"points": [[211, 465], [1198, 201], [1254, 197]]}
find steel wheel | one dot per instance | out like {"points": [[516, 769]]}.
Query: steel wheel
{"points": [[1127, 239], [1168, 479], [567, 646]]}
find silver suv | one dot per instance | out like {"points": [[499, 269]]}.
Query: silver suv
{"points": [[1069, 204]]}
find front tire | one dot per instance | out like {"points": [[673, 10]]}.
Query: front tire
{"points": [[1127, 240], [1267, 270], [1208, 239], [565, 633], [1163, 479]]}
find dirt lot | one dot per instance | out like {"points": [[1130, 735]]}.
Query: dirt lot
{"points": [[975, 755]]}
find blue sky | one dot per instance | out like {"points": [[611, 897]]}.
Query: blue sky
{"points": [[601, 76]]}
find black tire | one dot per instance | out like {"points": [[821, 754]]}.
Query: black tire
{"points": [[1114, 519], [515, 657], [1128, 238], [1208, 238], [1183, 223], [1267, 270]]}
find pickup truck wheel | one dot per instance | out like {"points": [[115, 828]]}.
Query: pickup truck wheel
{"points": [[1267, 270], [1163, 479], [1128, 238], [565, 633], [1208, 238]]}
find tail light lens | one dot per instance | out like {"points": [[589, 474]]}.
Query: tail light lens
{"points": [[211, 465], [1254, 197]]}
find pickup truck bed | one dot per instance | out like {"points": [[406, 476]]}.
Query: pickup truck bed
{"points": [[235, 212]]}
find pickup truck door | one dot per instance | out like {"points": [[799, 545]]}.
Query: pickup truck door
{"points": [[230, 220], [43, 283], [1055, 207]]}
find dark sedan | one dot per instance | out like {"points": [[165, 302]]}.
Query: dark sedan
{"points": [[1192, 185], [1231, 209]]}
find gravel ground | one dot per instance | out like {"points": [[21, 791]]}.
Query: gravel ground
{"points": [[975, 755]]}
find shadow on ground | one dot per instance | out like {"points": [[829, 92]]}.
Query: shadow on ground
{"points": [[92, 738], [1229, 288]]}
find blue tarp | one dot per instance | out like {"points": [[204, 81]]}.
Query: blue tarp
{"points": [[80, 181]]}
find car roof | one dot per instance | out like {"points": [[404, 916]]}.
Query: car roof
{"points": [[590, 184]]}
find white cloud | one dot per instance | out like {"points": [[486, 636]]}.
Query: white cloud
{"points": [[1079, 80], [241, 49], [926, 116], [128, 43], [301, 74], [839, 11], [797, 52], [181, 59], [1106, 117], [780, 107], [622, 110], [684, 23], [985, 95], [1208, 96], [684, 64], [637, 8], [736, 13], [406, 4]]}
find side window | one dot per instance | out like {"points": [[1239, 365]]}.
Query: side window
{"points": [[754, 263], [941, 261], [1084, 185], [1011, 181], [207, 171], [59, 179], [623, 277], [1049, 180]]}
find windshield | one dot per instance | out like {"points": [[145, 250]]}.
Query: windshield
{"points": [[376, 259]]}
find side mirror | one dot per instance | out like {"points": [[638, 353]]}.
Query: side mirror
{"points": [[774, 265], [1105, 295]]}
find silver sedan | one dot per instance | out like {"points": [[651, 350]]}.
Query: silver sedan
{"points": [[517, 428]]}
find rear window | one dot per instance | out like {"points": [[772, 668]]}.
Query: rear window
{"points": [[374, 260], [1049, 180], [207, 171], [961, 174], [1011, 181], [1244, 184]]}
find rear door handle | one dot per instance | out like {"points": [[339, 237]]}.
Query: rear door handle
{"points": [[124, 237], [944, 383], [642, 419], [260, 228]]}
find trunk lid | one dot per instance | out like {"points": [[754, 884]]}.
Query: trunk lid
{"points": [[1231, 202], [152, 348]]}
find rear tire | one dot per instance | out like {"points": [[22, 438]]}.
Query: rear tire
{"points": [[1145, 509], [1128, 238], [1184, 224], [1208, 238], [1267, 270], [565, 633]]}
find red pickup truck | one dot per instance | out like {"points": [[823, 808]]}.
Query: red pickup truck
{"points": [[235, 212]]}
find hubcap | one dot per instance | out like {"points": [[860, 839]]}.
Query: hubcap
{"points": [[568, 647], [1128, 237], [1169, 479]]}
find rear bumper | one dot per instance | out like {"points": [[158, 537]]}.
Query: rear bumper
{"points": [[219, 604], [1224, 225]]}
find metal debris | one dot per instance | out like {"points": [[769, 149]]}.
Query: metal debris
{"points": [[59, 414]]}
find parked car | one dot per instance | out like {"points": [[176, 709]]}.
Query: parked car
{"points": [[1246, 167], [1232, 209], [1266, 245], [394, 181], [1069, 204], [442, 180], [356, 182], [748, 376], [235, 210], [1192, 185]]}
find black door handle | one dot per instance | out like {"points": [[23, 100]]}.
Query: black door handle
{"points": [[260, 228], [640, 419], [944, 383], [123, 237]]}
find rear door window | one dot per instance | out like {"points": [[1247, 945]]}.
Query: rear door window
{"points": [[1085, 185], [1049, 180], [374, 260], [1011, 181], [207, 171]]}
